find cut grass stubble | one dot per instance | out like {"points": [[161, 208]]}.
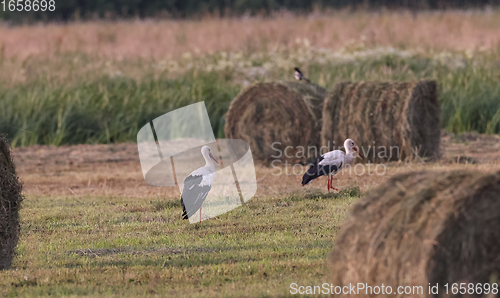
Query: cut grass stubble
{"points": [[89, 246]]}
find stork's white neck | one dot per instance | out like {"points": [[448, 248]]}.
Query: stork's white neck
{"points": [[208, 162], [349, 157]]}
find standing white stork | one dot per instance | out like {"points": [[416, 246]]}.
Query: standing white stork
{"points": [[330, 163], [197, 185]]}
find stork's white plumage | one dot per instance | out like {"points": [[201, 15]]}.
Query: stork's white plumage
{"points": [[330, 163], [197, 185]]}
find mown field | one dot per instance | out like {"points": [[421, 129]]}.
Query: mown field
{"points": [[91, 225], [88, 245]]}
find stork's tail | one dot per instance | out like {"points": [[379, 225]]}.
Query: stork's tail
{"points": [[312, 173], [184, 212]]}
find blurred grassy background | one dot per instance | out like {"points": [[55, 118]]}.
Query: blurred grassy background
{"points": [[112, 108], [80, 90]]}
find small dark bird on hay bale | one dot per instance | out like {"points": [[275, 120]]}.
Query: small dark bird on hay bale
{"points": [[299, 76]]}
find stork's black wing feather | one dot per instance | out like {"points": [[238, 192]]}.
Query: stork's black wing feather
{"points": [[316, 170], [193, 195]]}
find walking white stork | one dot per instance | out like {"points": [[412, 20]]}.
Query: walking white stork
{"points": [[197, 185], [330, 163]]}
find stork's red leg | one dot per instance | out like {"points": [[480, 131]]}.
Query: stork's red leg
{"points": [[331, 183]]}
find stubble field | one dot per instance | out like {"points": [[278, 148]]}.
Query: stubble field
{"points": [[92, 226]]}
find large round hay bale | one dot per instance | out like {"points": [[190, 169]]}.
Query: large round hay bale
{"points": [[421, 228], [272, 116], [389, 121], [10, 203]]}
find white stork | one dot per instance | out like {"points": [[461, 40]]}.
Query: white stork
{"points": [[197, 185], [330, 164]]}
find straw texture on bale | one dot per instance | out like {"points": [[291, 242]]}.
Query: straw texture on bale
{"points": [[283, 113], [10, 203], [387, 120], [421, 228]]}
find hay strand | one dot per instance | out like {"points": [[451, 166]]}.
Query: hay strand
{"points": [[272, 116], [10, 203], [421, 228], [388, 120]]}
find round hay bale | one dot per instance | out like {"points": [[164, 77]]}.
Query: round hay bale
{"points": [[272, 116], [387, 120], [421, 228], [10, 203]]}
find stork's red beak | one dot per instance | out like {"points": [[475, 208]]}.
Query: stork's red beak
{"points": [[212, 157], [359, 152]]}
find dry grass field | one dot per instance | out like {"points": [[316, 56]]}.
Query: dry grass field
{"points": [[114, 170], [452, 30]]}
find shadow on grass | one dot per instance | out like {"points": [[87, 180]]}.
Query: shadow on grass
{"points": [[193, 256], [170, 203], [317, 194], [99, 252]]}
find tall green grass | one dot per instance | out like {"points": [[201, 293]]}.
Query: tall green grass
{"points": [[470, 99], [105, 109]]}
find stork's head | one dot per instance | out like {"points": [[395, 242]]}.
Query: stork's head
{"points": [[205, 151], [350, 146]]}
